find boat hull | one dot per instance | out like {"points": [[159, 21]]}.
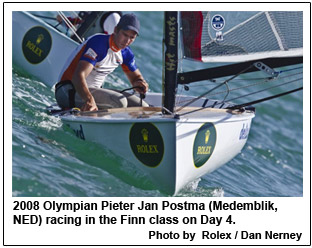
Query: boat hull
{"points": [[37, 47], [172, 152]]}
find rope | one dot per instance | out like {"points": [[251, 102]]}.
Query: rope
{"points": [[290, 69], [206, 93], [70, 25], [267, 80], [132, 88], [142, 96], [257, 101], [264, 99], [251, 79], [46, 17], [256, 92]]}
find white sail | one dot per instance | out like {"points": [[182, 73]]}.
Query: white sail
{"points": [[262, 35]]}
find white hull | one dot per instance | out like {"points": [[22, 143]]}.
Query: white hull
{"points": [[185, 155], [38, 48]]}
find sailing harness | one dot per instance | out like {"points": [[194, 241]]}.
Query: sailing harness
{"points": [[71, 91]]}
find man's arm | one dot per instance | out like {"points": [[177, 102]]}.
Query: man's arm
{"points": [[136, 79], [83, 69]]}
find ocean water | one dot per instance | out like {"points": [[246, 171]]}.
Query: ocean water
{"points": [[49, 160]]}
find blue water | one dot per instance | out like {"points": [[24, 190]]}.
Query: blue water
{"points": [[49, 160]]}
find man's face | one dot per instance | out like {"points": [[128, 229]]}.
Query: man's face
{"points": [[124, 38]]}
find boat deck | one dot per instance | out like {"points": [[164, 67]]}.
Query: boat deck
{"points": [[154, 114]]}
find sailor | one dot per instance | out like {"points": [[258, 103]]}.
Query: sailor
{"points": [[83, 74]]}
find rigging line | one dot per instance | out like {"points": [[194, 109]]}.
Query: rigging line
{"points": [[238, 88], [272, 87], [227, 91], [70, 25], [46, 17], [267, 80], [234, 80], [219, 103], [49, 18], [57, 25], [253, 79], [264, 99], [204, 94], [65, 19], [290, 69], [179, 96], [77, 17]]}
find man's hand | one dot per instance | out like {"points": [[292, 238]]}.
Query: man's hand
{"points": [[89, 105], [137, 80], [142, 86]]}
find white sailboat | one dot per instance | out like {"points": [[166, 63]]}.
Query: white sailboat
{"points": [[175, 142], [37, 46]]}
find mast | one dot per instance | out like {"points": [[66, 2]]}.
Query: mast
{"points": [[170, 62]]}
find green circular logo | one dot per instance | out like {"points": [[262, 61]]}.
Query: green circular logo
{"points": [[36, 44], [204, 144], [147, 144]]}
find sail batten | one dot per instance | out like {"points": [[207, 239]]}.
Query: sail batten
{"points": [[279, 40]]}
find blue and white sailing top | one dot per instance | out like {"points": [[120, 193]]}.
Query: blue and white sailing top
{"points": [[101, 51]]}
